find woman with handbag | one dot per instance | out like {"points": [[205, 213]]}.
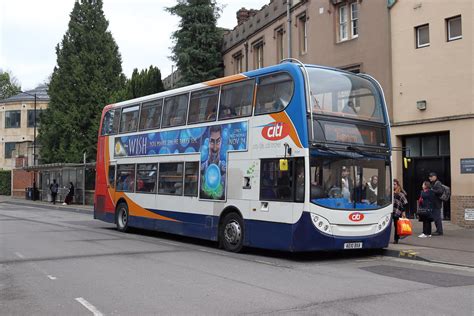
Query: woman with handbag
{"points": [[399, 203], [425, 208]]}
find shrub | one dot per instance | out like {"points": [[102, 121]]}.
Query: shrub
{"points": [[5, 182]]}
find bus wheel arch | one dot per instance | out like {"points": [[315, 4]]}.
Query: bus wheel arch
{"points": [[231, 232], [122, 216]]}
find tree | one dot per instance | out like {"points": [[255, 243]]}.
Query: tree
{"points": [[88, 75], [145, 82], [9, 85], [198, 41]]}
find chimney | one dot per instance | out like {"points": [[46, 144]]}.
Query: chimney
{"points": [[243, 15]]}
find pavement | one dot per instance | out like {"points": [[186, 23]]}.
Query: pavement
{"points": [[455, 247]]}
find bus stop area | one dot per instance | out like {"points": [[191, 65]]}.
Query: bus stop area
{"points": [[82, 177], [455, 247]]}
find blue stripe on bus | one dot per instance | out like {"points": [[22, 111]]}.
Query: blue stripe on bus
{"points": [[301, 236]]}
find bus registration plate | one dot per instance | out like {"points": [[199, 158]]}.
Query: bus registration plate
{"points": [[353, 245]]}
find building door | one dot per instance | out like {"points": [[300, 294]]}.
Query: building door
{"points": [[426, 153]]}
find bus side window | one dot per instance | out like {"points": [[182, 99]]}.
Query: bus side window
{"points": [[191, 178], [109, 125], [275, 185], [300, 182], [203, 106], [274, 93], [151, 114], [112, 176], [125, 178], [175, 109], [236, 99], [129, 119], [170, 178]]}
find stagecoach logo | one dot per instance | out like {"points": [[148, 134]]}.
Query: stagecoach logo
{"points": [[356, 217], [276, 131]]}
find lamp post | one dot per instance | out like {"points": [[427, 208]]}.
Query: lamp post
{"points": [[33, 194]]}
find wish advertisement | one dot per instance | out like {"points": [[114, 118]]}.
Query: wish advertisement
{"points": [[212, 142]]}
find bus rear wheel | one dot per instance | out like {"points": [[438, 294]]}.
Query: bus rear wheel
{"points": [[122, 217], [232, 233]]}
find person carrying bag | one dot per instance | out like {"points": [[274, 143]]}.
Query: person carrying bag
{"points": [[425, 209]]}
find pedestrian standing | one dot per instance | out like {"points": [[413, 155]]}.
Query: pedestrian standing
{"points": [[437, 188], [70, 194], [54, 188], [399, 204], [425, 208]]}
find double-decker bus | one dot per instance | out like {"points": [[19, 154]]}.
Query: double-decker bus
{"points": [[290, 157]]}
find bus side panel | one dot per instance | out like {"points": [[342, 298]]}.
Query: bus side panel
{"points": [[269, 235], [186, 224]]}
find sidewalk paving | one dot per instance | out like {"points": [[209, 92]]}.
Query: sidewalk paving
{"points": [[455, 247]]}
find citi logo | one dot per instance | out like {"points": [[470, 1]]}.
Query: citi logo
{"points": [[275, 131], [356, 217]]}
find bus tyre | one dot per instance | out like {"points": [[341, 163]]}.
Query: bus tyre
{"points": [[122, 217], [231, 234]]}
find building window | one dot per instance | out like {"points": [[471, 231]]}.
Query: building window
{"points": [[303, 34], [454, 28], [12, 119], [279, 44], [31, 118], [348, 12], [258, 55], [9, 148], [422, 36], [238, 62], [355, 19]]}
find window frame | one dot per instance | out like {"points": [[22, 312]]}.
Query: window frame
{"points": [[303, 33], [448, 28], [257, 47], [343, 23], [238, 62], [10, 154], [38, 114], [219, 118], [145, 105], [187, 94], [258, 87], [122, 113], [197, 178], [417, 35], [217, 105], [279, 32], [10, 119], [354, 20], [156, 177], [117, 172], [160, 179]]}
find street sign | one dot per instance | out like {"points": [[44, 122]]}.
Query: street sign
{"points": [[467, 165], [469, 214]]}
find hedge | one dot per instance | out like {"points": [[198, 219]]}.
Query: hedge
{"points": [[5, 182]]}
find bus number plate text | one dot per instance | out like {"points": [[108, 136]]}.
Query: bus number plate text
{"points": [[353, 245]]}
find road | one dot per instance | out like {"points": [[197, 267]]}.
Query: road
{"points": [[56, 262]]}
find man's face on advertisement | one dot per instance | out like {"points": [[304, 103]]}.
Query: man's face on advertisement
{"points": [[215, 142]]}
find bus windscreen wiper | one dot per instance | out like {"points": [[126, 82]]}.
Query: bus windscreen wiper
{"points": [[362, 152]]}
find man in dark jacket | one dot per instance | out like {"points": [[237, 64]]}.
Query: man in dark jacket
{"points": [[437, 188]]}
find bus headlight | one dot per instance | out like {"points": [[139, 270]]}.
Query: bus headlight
{"points": [[321, 223], [383, 223]]}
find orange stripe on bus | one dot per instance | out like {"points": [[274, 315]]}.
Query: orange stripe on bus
{"points": [[227, 79], [283, 117]]}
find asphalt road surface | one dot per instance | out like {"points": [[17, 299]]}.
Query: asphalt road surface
{"points": [[64, 263]]}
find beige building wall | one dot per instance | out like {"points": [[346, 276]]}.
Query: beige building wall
{"points": [[23, 135], [369, 52], [442, 75]]}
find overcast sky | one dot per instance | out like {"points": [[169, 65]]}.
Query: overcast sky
{"points": [[31, 29]]}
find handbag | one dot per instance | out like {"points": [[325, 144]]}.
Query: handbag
{"points": [[424, 212], [404, 227]]}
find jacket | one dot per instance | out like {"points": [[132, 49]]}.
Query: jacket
{"points": [[437, 189]]}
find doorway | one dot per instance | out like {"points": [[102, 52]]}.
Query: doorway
{"points": [[426, 153]]}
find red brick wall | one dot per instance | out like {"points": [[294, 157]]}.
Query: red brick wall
{"points": [[458, 204], [21, 180]]}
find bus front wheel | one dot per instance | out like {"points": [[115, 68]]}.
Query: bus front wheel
{"points": [[122, 217], [232, 232]]}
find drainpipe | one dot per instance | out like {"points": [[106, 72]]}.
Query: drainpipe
{"points": [[288, 15], [246, 45]]}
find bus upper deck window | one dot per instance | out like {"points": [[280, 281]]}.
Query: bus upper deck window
{"points": [[174, 111], [203, 105], [129, 119], [274, 93], [236, 99], [151, 114]]}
